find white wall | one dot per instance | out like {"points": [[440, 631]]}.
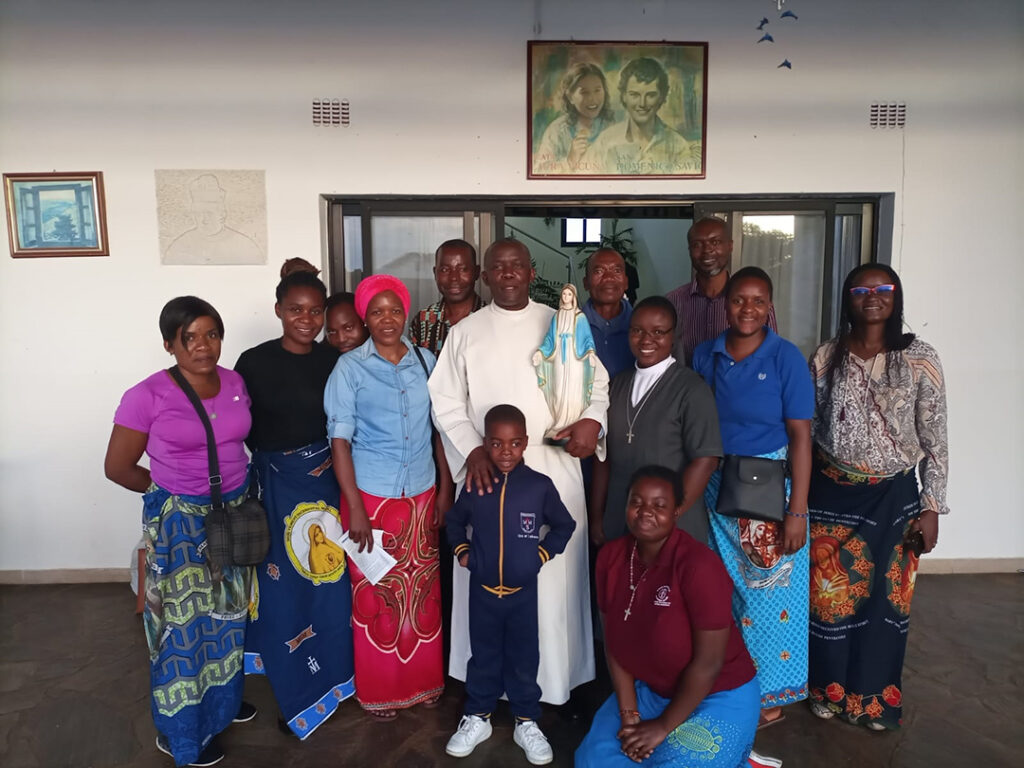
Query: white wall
{"points": [[437, 92]]}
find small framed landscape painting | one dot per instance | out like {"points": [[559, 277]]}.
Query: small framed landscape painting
{"points": [[56, 214]]}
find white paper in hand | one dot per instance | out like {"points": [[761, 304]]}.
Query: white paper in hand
{"points": [[375, 564]]}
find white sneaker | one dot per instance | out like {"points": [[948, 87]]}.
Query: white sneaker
{"points": [[472, 730], [529, 736], [754, 760]]}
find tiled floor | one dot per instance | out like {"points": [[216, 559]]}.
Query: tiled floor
{"points": [[73, 692]]}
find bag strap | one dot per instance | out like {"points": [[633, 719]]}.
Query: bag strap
{"points": [[211, 441], [419, 356]]}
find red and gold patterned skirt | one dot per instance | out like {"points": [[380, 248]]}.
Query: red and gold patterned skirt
{"points": [[396, 625]]}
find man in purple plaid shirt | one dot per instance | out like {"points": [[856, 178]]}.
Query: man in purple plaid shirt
{"points": [[700, 305]]}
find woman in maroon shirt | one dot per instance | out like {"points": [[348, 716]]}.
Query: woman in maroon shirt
{"points": [[685, 688]]}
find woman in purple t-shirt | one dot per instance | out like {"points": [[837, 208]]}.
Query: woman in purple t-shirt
{"points": [[195, 613]]}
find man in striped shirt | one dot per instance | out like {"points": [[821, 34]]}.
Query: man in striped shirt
{"points": [[700, 305]]}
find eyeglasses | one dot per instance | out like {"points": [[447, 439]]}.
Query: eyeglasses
{"points": [[863, 290]]}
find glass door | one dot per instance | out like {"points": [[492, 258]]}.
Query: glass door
{"points": [[806, 248], [400, 238]]}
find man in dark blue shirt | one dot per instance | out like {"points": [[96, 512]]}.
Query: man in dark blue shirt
{"points": [[608, 310]]}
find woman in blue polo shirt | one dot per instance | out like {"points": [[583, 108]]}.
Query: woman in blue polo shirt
{"points": [[765, 401]]}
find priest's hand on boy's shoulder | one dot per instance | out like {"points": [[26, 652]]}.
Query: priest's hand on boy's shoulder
{"points": [[582, 437], [481, 474]]}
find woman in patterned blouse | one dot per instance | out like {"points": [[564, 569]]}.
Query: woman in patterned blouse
{"points": [[880, 413]]}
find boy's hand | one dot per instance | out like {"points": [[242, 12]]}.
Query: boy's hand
{"points": [[464, 559]]}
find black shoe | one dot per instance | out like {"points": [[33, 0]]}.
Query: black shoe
{"points": [[246, 712], [212, 755]]}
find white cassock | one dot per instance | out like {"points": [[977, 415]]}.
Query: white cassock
{"points": [[486, 361]]}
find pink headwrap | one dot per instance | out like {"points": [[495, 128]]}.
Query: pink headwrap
{"points": [[370, 286]]}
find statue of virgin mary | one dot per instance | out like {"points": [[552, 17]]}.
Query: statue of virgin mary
{"points": [[565, 364]]}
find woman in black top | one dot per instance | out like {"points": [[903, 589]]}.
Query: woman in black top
{"points": [[299, 633]]}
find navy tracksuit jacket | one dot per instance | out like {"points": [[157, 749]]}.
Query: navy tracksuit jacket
{"points": [[505, 555]]}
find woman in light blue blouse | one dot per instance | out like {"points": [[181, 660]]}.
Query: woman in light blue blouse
{"points": [[378, 419], [765, 402]]}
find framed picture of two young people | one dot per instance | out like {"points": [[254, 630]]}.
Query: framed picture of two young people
{"points": [[616, 110]]}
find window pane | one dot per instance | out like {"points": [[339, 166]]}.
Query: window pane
{"points": [[353, 244], [847, 256], [790, 248], [404, 246], [593, 230], [574, 230]]}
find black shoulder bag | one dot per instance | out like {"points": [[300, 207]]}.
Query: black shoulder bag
{"points": [[752, 487], [237, 535]]}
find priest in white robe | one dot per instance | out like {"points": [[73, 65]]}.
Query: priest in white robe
{"points": [[486, 361]]}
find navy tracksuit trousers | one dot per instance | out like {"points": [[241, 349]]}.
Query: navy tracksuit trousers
{"points": [[505, 649]]}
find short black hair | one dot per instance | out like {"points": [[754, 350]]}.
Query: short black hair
{"points": [[645, 70], [502, 243], [300, 279], [180, 312], [658, 302], [748, 273], [504, 414], [657, 472], [455, 243], [713, 220], [345, 297], [602, 249]]}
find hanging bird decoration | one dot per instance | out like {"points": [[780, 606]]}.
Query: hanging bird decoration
{"points": [[789, 15], [785, 63], [766, 38], [763, 22]]}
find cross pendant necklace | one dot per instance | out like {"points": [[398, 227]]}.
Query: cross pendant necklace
{"points": [[632, 586], [631, 421]]}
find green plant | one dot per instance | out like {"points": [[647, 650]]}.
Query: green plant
{"points": [[545, 291]]}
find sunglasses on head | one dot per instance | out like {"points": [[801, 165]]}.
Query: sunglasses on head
{"points": [[863, 290]]}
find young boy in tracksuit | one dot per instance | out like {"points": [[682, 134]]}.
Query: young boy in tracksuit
{"points": [[503, 558]]}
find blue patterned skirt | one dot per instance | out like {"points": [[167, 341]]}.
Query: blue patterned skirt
{"points": [[720, 732], [195, 623], [300, 632], [770, 601]]}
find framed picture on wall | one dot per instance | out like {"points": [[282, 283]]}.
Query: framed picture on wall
{"points": [[616, 110], [56, 214]]}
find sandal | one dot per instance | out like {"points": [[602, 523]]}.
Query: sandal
{"points": [[820, 710], [433, 703], [875, 726], [382, 714], [766, 722]]}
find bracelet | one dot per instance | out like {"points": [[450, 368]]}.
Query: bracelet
{"points": [[624, 712], [796, 514]]}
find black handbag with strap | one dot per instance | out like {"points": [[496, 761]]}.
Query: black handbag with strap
{"points": [[752, 486], [235, 535]]}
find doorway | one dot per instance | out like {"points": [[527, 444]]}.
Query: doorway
{"points": [[807, 244]]}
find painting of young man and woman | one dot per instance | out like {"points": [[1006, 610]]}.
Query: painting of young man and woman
{"points": [[617, 110]]}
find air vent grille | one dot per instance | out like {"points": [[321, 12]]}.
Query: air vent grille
{"points": [[331, 112], [888, 115]]}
